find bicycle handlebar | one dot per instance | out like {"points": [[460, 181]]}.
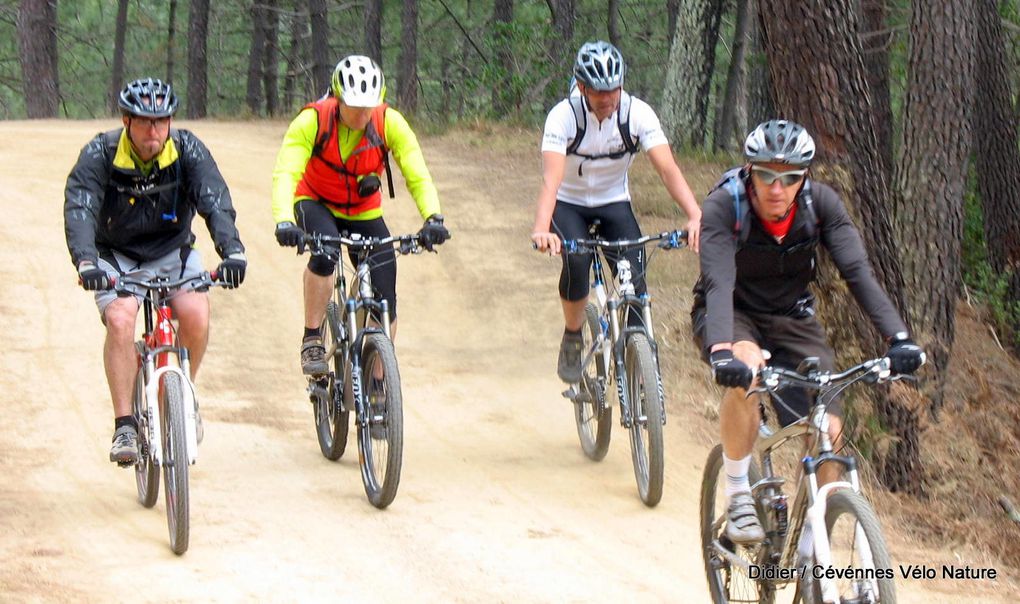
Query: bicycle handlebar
{"points": [[670, 240], [870, 371], [204, 279], [409, 244]]}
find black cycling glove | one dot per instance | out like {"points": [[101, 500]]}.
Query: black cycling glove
{"points": [[904, 355], [92, 277], [231, 270], [728, 371], [289, 234], [433, 232]]}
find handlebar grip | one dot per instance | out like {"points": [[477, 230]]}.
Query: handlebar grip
{"points": [[214, 275]]}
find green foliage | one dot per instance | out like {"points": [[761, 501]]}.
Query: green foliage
{"points": [[988, 287]]}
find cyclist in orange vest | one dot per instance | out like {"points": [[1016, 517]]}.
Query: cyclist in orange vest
{"points": [[327, 181]]}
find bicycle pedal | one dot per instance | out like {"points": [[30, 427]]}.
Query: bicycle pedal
{"points": [[571, 393], [125, 464]]}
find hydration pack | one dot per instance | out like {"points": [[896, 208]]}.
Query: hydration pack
{"points": [[630, 146]]}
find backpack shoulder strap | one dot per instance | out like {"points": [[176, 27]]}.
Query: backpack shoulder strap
{"points": [[581, 119], [325, 111], [380, 127], [623, 123], [808, 206], [733, 181]]}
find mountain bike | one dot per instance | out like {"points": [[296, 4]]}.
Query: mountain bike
{"points": [[164, 402], [363, 375], [618, 345], [845, 531]]}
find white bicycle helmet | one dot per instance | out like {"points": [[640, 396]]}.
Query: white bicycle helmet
{"points": [[600, 66], [780, 141], [358, 82]]}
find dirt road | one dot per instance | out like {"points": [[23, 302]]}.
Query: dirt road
{"points": [[497, 503]]}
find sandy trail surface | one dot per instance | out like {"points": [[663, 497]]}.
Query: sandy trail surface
{"points": [[496, 503]]}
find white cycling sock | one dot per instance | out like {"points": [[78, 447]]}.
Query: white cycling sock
{"points": [[736, 475]]}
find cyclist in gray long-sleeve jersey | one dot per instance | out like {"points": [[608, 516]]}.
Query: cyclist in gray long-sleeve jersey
{"points": [[128, 207], [760, 232]]}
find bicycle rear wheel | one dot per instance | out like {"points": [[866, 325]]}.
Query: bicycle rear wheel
{"points": [[646, 418], [331, 418], [175, 462], [381, 438], [146, 472], [591, 412], [856, 541], [727, 580]]}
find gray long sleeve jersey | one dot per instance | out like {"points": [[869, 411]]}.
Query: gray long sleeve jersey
{"points": [[761, 275]]}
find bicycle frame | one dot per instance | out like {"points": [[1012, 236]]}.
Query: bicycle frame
{"points": [[154, 351]]}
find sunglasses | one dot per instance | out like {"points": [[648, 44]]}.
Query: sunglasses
{"points": [[786, 178]]}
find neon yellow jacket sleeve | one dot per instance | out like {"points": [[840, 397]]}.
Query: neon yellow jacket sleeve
{"points": [[291, 162], [409, 158]]}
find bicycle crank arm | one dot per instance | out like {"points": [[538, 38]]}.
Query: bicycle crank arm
{"points": [[732, 558]]}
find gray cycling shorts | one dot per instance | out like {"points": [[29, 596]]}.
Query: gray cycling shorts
{"points": [[169, 265]]}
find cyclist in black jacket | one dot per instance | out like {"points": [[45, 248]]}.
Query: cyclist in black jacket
{"points": [[761, 228], [128, 207]]}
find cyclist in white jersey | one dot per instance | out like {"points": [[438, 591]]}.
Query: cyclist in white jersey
{"points": [[584, 175]]}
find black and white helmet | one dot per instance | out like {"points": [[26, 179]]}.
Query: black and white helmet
{"points": [[780, 141], [600, 66], [358, 81], [148, 97]]}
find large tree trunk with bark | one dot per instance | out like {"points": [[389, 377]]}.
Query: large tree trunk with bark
{"points": [[761, 104], [322, 62], [256, 57], [37, 47], [730, 130], [407, 69], [117, 75], [931, 175], [817, 69], [171, 38], [689, 72], [996, 154], [271, 59], [561, 46], [504, 97], [373, 29], [613, 23], [198, 82], [877, 38]]}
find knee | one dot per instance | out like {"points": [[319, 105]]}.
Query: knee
{"points": [[321, 266], [120, 318]]}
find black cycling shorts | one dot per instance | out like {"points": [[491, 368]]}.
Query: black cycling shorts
{"points": [[315, 218], [790, 340], [572, 221]]}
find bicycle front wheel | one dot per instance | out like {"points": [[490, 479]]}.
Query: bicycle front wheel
{"points": [[726, 563], [591, 412], [175, 462], [146, 472], [381, 437], [331, 418], [646, 418], [856, 541]]}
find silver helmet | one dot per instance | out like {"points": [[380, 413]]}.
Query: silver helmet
{"points": [[148, 97], [600, 66], [780, 141]]}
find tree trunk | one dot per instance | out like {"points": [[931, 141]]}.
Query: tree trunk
{"points": [[271, 60], [504, 96], [295, 70], [322, 62], [672, 10], [817, 69], [876, 41], [198, 83], [373, 29], [407, 70], [256, 58], [171, 37], [37, 47], [689, 72], [931, 175], [997, 158], [613, 23], [761, 104], [729, 132], [117, 76], [561, 46]]}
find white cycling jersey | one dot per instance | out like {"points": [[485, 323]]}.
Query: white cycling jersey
{"points": [[597, 182]]}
